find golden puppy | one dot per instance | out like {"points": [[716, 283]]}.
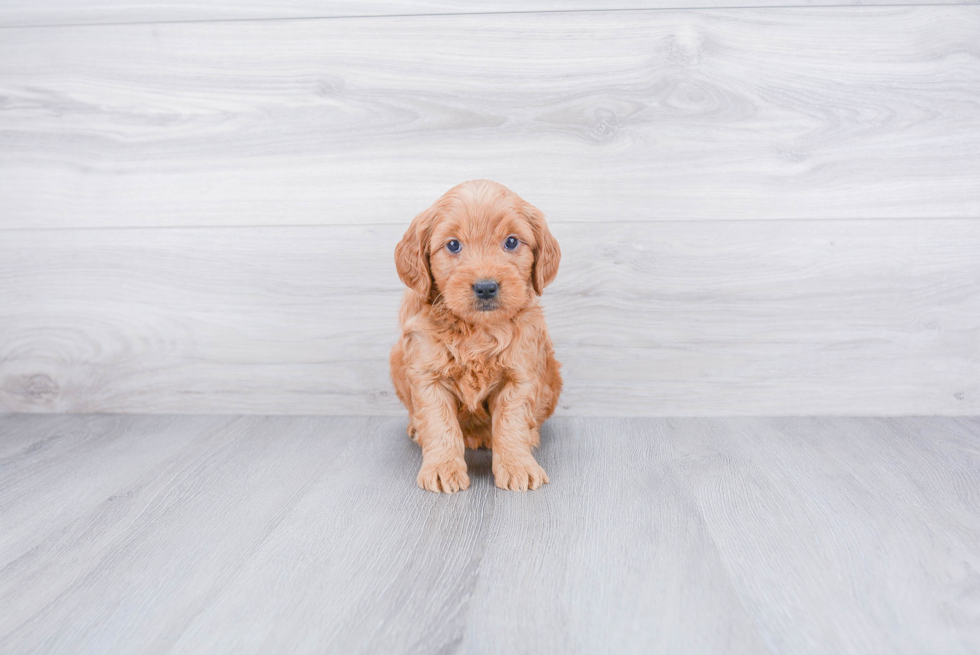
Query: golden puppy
{"points": [[475, 365]]}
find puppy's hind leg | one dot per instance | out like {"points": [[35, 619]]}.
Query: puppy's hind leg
{"points": [[403, 388]]}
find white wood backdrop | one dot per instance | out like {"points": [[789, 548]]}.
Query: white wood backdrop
{"points": [[837, 112], [677, 318], [763, 211], [86, 12]]}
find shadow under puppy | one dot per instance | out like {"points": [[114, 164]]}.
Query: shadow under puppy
{"points": [[475, 365]]}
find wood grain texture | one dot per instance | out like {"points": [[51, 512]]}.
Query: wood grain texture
{"points": [[23, 13], [662, 318], [615, 558], [125, 543], [103, 451], [873, 554], [847, 112], [308, 534]]}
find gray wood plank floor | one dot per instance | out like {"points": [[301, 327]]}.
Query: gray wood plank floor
{"points": [[207, 534]]}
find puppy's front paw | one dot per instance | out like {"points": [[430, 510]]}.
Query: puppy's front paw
{"points": [[446, 477], [519, 475]]}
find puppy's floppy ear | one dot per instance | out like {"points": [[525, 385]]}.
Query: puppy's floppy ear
{"points": [[412, 253], [547, 254]]}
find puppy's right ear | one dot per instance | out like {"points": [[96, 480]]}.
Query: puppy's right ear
{"points": [[412, 254]]}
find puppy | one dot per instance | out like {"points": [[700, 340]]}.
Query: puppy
{"points": [[474, 365]]}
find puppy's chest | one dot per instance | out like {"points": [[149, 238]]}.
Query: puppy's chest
{"points": [[474, 378]]}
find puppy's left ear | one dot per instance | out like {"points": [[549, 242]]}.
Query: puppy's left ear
{"points": [[547, 254]]}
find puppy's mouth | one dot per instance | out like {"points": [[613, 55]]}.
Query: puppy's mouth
{"points": [[486, 305]]}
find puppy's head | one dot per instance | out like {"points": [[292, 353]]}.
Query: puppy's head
{"points": [[482, 248]]}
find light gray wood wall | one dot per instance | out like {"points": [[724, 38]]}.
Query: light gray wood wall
{"points": [[762, 211], [844, 112], [675, 318], [23, 13]]}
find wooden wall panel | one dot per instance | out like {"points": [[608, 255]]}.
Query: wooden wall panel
{"points": [[658, 318], [843, 112], [22, 13], [199, 216]]}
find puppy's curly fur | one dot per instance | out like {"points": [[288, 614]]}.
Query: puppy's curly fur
{"points": [[475, 365]]}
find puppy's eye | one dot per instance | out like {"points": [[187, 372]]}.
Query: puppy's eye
{"points": [[512, 242], [454, 246]]}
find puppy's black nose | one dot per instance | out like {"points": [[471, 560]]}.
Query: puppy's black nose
{"points": [[485, 289]]}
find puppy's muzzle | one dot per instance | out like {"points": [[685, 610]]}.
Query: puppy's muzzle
{"points": [[486, 294]]}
